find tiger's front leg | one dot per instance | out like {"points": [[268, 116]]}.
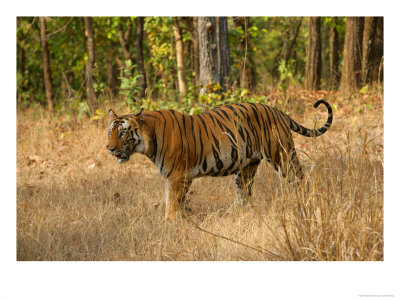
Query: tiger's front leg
{"points": [[176, 191]]}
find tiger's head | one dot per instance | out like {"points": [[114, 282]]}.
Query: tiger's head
{"points": [[125, 135]]}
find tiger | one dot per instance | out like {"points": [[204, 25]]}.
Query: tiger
{"points": [[226, 140]]}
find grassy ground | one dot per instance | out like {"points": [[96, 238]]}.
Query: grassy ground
{"points": [[74, 202]]}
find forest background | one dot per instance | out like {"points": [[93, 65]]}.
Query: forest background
{"points": [[155, 61]]}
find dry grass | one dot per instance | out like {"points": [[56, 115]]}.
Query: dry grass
{"points": [[74, 202]]}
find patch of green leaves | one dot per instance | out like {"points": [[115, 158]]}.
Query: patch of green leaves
{"points": [[129, 87]]}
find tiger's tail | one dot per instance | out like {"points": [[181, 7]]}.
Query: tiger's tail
{"points": [[313, 132]]}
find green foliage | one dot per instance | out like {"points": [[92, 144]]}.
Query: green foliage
{"points": [[98, 115], [129, 84], [364, 90], [82, 108], [272, 44], [29, 58], [213, 95], [192, 106], [63, 59], [160, 36], [286, 75], [267, 46], [339, 23]]}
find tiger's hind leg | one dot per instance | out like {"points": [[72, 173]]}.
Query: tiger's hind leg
{"points": [[244, 181], [295, 170], [289, 166]]}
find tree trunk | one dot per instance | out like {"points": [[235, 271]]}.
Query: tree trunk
{"points": [[334, 75], [208, 52], [375, 73], [352, 53], [313, 66], [46, 66], [224, 59], [111, 74], [91, 95], [21, 60], [196, 55], [246, 73], [124, 38], [290, 49], [214, 52], [367, 42], [179, 58], [191, 24], [139, 52], [21, 70]]}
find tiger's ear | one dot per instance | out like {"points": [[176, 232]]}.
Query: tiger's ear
{"points": [[140, 115], [111, 114]]}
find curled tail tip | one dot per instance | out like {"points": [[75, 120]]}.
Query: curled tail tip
{"points": [[321, 101], [314, 132]]}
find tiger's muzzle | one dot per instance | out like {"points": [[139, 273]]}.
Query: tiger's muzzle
{"points": [[121, 157]]}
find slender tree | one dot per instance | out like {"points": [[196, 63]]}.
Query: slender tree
{"points": [[214, 52], [372, 50], [313, 66], [293, 42], [139, 52], [124, 37], [111, 75], [46, 66], [376, 70], [124, 41], [367, 42], [246, 67], [91, 95], [21, 69], [21, 59], [334, 75], [191, 24], [224, 59], [179, 58], [352, 53]]}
